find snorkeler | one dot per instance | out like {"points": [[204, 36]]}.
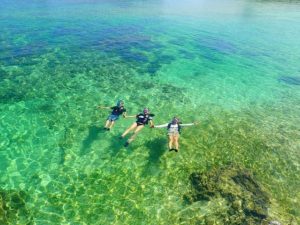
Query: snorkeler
{"points": [[115, 114], [174, 128], [142, 120]]}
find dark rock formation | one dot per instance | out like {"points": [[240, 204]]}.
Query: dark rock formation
{"points": [[290, 80], [13, 208], [247, 202]]}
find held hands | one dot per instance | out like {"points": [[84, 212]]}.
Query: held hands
{"points": [[102, 107], [130, 116]]}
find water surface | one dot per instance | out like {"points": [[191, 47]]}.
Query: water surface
{"points": [[231, 65]]}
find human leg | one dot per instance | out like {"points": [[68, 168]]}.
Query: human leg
{"points": [[111, 124], [134, 125], [176, 139], [170, 142], [107, 124], [137, 130]]}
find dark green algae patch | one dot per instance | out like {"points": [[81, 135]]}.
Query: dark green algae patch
{"points": [[13, 209], [247, 202]]}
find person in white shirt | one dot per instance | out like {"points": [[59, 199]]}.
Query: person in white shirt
{"points": [[174, 128]]}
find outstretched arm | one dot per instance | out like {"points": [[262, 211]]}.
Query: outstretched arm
{"points": [[161, 126], [188, 124], [133, 116], [103, 107]]}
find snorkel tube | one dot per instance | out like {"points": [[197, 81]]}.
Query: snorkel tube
{"points": [[175, 120], [120, 103], [146, 111]]}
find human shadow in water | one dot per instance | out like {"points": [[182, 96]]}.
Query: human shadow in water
{"points": [[116, 146], [157, 148], [92, 136]]}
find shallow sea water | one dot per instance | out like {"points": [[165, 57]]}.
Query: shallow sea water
{"points": [[231, 65]]}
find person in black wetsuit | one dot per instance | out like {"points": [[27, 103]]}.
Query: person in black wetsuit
{"points": [[115, 114], [142, 119]]}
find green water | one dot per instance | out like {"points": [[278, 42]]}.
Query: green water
{"points": [[231, 65]]}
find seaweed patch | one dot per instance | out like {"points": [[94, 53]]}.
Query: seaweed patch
{"points": [[289, 80], [13, 208], [8, 96], [247, 202]]}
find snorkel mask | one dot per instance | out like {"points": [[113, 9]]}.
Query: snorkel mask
{"points": [[120, 103], [146, 111], [175, 120]]}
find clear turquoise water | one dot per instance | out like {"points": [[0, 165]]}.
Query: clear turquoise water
{"points": [[231, 65]]}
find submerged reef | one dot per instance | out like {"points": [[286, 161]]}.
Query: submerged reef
{"points": [[289, 80], [13, 208], [247, 202]]}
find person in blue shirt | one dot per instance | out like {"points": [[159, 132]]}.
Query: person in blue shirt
{"points": [[174, 129], [117, 111]]}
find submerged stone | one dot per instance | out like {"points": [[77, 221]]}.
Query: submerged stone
{"points": [[290, 80], [217, 45], [10, 95], [274, 223], [246, 200], [13, 208]]}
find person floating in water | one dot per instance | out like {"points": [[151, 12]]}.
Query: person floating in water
{"points": [[142, 119], [174, 128], [115, 114]]}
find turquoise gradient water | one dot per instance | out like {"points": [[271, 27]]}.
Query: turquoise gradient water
{"points": [[231, 65]]}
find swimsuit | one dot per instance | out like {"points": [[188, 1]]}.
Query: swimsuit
{"points": [[173, 129], [117, 111], [143, 119]]}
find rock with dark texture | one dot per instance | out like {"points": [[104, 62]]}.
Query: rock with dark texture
{"points": [[274, 223], [246, 200], [290, 80], [13, 208]]}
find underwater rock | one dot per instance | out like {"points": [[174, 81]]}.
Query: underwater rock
{"points": [[133, 56], [3, 74], [119, 30], [246, 200], [13, 207], [63, 31], [46, 107], [274, 223], [170, 92], [290, 80], [153, 68], [147, 85], [187, 54], [10, 95], [217, 44]]}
